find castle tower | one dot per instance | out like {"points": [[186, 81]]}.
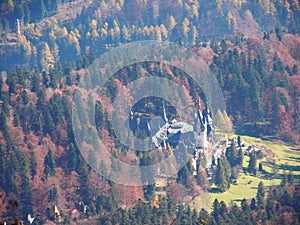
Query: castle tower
{"points": [[18, 27], [165, 118]]}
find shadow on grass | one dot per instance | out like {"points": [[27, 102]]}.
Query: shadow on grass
{"points": [[289, 167], [215, 190], [237, 200], [294, 159], [285, 167]]}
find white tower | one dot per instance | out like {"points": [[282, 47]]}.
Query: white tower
{"points": [[18, 27]]}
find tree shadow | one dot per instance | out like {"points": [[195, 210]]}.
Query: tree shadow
{"points": [[215, 190], [294, 159], [237, 200]]}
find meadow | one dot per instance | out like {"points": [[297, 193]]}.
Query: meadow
{"points": [[278, 159]]}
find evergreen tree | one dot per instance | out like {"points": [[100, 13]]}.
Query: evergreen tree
{"points": [[36, 82], [202, 179], [182, 175], [231, 154], [253, 204], [216, 210], [260, 195], [290, 178], [147, 176], [295, 69], [103, 169], [33, 165], [252, 163], [53, 194], [49, 164], [25, 98], [2, 166], [222, 175], [11, 82]]}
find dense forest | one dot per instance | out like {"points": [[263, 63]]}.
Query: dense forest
{"points": [[75, 28], [252, 47]]}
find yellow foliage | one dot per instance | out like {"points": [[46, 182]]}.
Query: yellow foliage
{"points": [[112, 33], [158, 34], [169, 148], [185, 26], [180, 3], [52, 35], [33, 31], [64, 32], [223, 122], [95, 34], [172, 22], [47, 58], [268, 6], [164, 31], [195, 35], [56, 52], [231, 20], [103, 6], [73, 39], [219, 6], [125, 33], [103, 32], [296, 4], [26, 45], [77, 34], [238, 3], [195, 11], [11, 5], [105, 25], [88, 34], [93, 24]]}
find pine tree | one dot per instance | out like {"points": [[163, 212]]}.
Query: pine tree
{"points": [[147, 176], [182, 175], [25, 98], [290, 178], [2, 166], [222, 175], [36, 83], [252, 163], [240, 157], [295, 69], [253, 204], [202, 179], [33, 165], [53, 194], [103, 170], [260, 195], [216, 210], [49, 164], [231, 154]]}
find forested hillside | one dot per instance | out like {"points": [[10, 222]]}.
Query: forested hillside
{"points": [[253, 49], [52, 31]]}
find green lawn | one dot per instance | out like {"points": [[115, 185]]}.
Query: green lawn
{"points": [[287, 158], [280, 159]]}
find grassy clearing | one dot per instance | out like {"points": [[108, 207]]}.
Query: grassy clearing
{"points": [[286, 158], [279, 159], [245, 188]]}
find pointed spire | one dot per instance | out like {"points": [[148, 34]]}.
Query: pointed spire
{"points": [[200, 116], [164, 113], [199, 103], [207, 108], [131, 114], [148, 126]]}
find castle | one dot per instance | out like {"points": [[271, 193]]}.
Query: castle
{"points": [[196, 138]]}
